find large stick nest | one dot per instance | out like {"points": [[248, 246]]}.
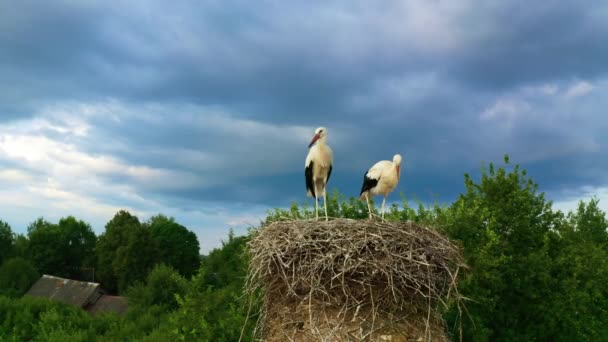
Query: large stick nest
{"points": [[352, 280]]}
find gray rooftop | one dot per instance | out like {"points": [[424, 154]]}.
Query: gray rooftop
{"points": [[79, 293]]}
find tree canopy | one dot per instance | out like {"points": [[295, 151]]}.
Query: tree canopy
{"points": [[126, 252], [61, 249], [179, 246], [7, 240], [17, 275]]}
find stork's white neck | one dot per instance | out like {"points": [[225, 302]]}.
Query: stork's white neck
{"points": [[320, 142]]}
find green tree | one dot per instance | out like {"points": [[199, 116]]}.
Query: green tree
{"points": [[589, 223], [578, 307], [126, 252], [7, 240], [162, 286], [21, 246], [17, 276], [61, 249], [79, 243], [179, 247], [46, 247], [215, 309], [116, 234], [505, 226]]}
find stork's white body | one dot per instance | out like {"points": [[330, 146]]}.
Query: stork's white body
{"points": [[318, 167], [381, 179], [320, 157]]}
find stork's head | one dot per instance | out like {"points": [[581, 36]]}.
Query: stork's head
{"points": [[320, 133], [397, 163]]}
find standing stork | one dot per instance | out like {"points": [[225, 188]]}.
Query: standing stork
{"points": [[317, 168], [381, 179]]}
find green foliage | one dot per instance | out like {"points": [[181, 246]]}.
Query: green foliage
{"points": [[7, 240], [225, 266], [338, 206], [589, 223], [162, 286], [503, 224], [17, 275], [61, 249], [21, 246], [135, 258], [523, 258], [179, 247], [215, 309], [61, 324], [579, 304], [22, 319], [44, 248], [40, 319], [126, 252], [79, 244]]}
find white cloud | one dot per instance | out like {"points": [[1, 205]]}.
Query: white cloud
{"points": [[15, 176], [549, 89], [506, 111], [54, 176], [578, 89], [570, 198]]}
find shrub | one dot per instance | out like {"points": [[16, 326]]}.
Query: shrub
{"points": [[17, 276]]}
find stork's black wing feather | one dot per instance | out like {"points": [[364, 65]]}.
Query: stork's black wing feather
{"points": [[329, 173], [308, 175], [368, 183]]}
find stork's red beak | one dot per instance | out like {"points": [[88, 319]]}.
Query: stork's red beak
{"points": [[398, 171], [314, 139]]}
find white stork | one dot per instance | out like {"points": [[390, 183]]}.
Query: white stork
{"points": [[381, 179], [317, 168]]}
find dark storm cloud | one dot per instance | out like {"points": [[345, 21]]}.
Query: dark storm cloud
{"points": [[518, 42], [442, 83], [273, 62]]}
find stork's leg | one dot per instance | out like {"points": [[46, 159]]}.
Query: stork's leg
{"points": [[316, 202], [383, 203], [325, 203], [369, 208]]}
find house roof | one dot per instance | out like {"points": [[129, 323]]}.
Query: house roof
{"points": [[79, 293], [107, 303]]}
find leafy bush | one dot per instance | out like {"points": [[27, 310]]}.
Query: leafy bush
{"points": [[20, 318], [7, 240], [17, 275], [215, 309], [162, 286]]}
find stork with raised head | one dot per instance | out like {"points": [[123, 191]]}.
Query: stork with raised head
{"points": [[317, 168], [381, 179]]}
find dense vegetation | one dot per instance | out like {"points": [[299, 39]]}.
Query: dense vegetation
{"points": [[535, 273]]}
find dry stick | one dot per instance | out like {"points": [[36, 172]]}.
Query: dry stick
{"points": [[310, 308], [246, 317], [460, 320], [373, 308]]}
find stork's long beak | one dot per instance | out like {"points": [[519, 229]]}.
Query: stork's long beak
{"points": [[398, 171], [314, 139]]}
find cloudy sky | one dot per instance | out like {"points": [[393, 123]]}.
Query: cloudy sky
{"points": [[203, 110]]}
